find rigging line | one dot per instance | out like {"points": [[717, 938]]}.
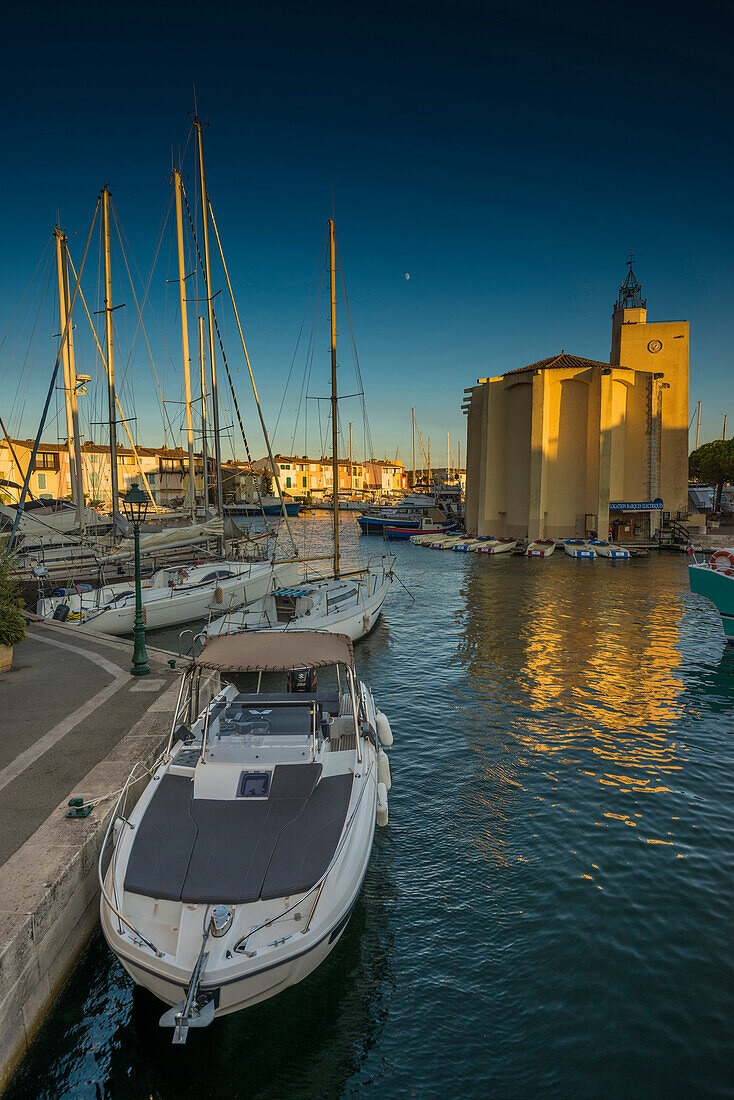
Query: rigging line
{"points": [[360, 381], [252, 382], [219, 336], [117, 399], [15, 457], [147, 289], [30, 283], [312, 344], [34, 451], [298, 340], [141, 324], [31, 353]]}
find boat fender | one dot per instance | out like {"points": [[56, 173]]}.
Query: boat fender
{"points": [[116, 831], [384, 731], [366, 622], [218, 594], [381, 804], [61, 613], [383, 770]]}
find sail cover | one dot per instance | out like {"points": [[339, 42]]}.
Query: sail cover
{"points": [[275, 651]]}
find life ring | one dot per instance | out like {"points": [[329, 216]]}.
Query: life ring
{"points": [[722, 560]]}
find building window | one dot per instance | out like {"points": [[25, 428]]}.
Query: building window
{"points": [[41, 481], [46, 460], [305, 482], [287, 483]]}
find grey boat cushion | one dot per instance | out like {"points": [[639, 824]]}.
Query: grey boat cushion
{"points": [[209, 850], [163, 841], [305, 845], [294, 780]]}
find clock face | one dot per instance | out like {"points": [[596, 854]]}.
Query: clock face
{"points": [[655, 345]]}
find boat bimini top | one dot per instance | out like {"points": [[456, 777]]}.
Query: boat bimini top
{"points": [[266, 651]]}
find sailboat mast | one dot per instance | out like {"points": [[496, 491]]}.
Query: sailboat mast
{"points": [[72, 421], [448, 459], [334, 404], [350, 461], [413, 425], [204, 454], [80, 514], [110, 350], [210, 319], [698, 424], [185, 343]]}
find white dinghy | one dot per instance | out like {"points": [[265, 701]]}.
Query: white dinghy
{"points": [[170, 596], [541, 548], [235, 874], [502, 545], [579, 548], [606, 550]]}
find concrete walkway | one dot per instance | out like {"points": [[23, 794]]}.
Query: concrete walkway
{"points": [[74, 722], [66, 703]]}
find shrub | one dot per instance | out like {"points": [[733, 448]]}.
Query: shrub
{"points": [[12, 623]]}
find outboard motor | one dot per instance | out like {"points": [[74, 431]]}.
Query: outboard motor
{"points": [[301, 680]]}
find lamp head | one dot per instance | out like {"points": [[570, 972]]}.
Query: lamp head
{"points": [[136, 504]]}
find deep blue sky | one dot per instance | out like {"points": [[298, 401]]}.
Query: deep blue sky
{"points": [[506, 155]]}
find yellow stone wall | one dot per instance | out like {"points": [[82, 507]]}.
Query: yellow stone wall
{"points": [[548, 449]]}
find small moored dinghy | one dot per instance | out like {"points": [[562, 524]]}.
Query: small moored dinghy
{"points": [[578, 548], [541, 548], [606, 550], [235, 874], [497, 546]]}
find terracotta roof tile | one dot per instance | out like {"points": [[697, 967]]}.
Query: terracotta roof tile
{"points": [[562, 361]]}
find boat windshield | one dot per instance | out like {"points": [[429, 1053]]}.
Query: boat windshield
{"points": [[263, 730]]}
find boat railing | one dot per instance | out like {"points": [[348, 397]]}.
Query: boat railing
{"points": [[317, 886], [114, 817]]}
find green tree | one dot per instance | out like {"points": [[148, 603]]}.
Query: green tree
{"points": [[713, 463], [12, 623], [266, 483]]}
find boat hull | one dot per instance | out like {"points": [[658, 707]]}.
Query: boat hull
{"points": [[718, 589], [246, 991], [585, 553], [185, 606]]}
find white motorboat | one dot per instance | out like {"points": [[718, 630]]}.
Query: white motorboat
{"points": [[348, 605], [579, 548], [236, 873], [540, 548], [467, 544], [497, 546], [606, 550], [170, 596]]}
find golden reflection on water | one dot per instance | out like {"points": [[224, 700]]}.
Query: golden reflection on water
{"points": [[583, 667]]}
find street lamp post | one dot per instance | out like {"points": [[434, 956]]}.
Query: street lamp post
{"points": [[136, 509]]}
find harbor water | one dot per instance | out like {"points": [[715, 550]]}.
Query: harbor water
{"points": [[550, 910]]}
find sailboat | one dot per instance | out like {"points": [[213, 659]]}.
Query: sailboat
{"points": [[346, 604]]}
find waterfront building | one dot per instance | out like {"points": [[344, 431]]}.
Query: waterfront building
{"points": [[304, 476], [567, 445], [165, 470]]}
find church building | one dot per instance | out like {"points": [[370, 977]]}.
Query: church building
{"points": [[568, 445]]}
